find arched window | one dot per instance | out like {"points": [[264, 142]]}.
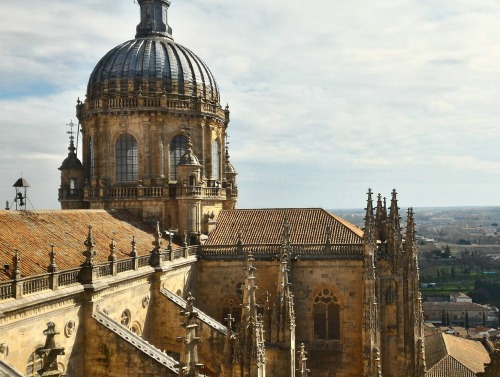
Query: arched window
{"points": [[177, 150], [126, 158], [215, 160], [91, 159], [34, 364], [326, 315]]}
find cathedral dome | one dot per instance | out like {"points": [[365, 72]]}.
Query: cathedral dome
{"points": [[152, 64]]}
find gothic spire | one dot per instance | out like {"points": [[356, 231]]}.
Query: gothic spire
{"points": [[394, 213], [189, 365], [154, 19], [251, 332], [410, 227], [369, 219], [380, 218]]}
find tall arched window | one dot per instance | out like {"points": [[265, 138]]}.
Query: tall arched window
{"points": [[215, 160], [90, 169], [326, 315], [177, 150], [126, 158]]}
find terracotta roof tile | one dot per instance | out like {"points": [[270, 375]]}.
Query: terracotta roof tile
{"points": [[452, 306], [448, 354], [32, 233], [265, 226]]}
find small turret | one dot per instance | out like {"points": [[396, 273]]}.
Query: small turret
{"points": [[72, 177], [154, 19]]}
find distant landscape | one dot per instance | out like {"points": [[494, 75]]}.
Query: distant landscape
{"points": [[459, 250]]}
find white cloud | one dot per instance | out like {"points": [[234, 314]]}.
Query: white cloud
{"points": [[326, 99]]}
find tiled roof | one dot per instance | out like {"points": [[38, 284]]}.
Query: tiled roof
{"points": [[265, 227], [449, 355], [32, 233], [452, 306]]}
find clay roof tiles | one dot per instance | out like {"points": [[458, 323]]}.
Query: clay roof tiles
{"points": [[32, 233], [449, 355], [265, 226], [452, 306]]}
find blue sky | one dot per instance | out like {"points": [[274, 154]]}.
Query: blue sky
{"points": [[327, 98]]}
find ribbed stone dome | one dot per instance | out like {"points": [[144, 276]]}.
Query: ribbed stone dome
{"points": [[152, 64]]}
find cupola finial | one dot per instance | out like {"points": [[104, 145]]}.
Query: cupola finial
{"points": [[71, 147], [154, 19]]}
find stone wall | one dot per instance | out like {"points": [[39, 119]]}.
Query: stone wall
{"points": [[129, 298], [23, 321], [342, 277]]}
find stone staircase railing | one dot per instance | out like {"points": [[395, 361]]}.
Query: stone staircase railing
{"points": [[8, 371], [136, 341], [179, 301]]}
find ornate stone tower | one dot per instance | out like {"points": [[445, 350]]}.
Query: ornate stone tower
{"points": [[150, 102]]}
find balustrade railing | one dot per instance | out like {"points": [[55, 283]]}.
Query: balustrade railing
{"points": [[69, 277], [35, 284], [123, 192], [55, 280], [143, 261], [156, 101], [153, 192], [124, 265], [6, 290], [104, 270], [65, 194]]}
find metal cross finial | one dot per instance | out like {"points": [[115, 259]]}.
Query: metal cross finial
{"points": [[71, 125]]}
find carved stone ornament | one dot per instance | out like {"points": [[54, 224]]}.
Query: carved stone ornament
{"points": [[145, 301], [126, 318], [123, 123], [69, 328], [4, 351]]}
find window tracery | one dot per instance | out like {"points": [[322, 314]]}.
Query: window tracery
{"points": [[326, 315], [177, 150], [126, 158]]}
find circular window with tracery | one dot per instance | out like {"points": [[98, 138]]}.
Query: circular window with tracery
{"points": [[326, 315], [231, 306]]}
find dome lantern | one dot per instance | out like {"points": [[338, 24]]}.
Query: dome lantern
{"points": [[154, 19]]}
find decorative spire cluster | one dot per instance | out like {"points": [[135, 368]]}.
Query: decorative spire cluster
{"points": [[189, 365]]}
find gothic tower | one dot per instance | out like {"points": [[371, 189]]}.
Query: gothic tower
{"points": [[151, 104]]}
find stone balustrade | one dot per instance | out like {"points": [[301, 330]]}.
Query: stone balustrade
{"points": [[161, 102], [305, 251], [124, 192], [17, 288]]}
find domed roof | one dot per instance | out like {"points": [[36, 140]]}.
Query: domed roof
{"points": [[152, 63], [189, 158], [71, 162]]}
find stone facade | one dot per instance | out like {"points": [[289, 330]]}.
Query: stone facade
{"points": [[149, 226]]}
